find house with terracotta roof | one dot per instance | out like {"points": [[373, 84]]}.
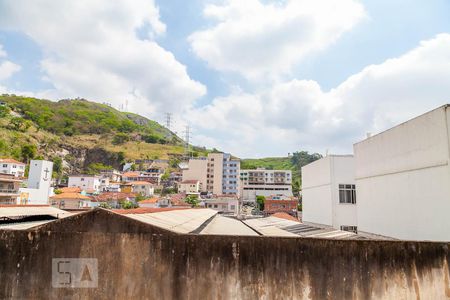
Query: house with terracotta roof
{"points": [[280, 203], [177, 200], [70, 190], [12, 166], [190, 187], [71, 201], [149, 203], [143, 188], [151, 177], [114, 198]]}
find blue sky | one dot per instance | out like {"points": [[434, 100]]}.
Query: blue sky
{"points": [[255, 78]]}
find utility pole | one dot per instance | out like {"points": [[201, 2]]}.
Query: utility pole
{"points": [[168, 120]]}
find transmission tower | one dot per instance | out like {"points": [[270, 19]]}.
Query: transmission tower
{"points": [[168, 120], [187, 136]]}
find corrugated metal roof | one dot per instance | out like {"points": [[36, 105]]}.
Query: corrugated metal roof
{"points": [[23, 225], [180, 221], [30, 210], [273, 226], [227, 226]]}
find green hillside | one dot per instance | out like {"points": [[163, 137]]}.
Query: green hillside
{"points": [[81, 132]]}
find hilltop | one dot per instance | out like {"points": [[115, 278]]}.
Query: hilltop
{"points": [[81, 132]]}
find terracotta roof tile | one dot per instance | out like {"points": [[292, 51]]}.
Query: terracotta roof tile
{"points": [[10, 161], [70, 196], [285, 216], [145, 210]]}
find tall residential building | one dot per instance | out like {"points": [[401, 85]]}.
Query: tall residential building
{"points": [[262, 182], [328, 192], [218, 173]]}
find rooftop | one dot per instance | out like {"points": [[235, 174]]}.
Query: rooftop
{"points": [[10, 161], [66, 196], [190, 181]]}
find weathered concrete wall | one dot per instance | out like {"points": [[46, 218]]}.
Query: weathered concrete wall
{"points": [[155, 264]]}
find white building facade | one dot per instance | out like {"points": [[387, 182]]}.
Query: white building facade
{"points": [[87, 183], [262, 182], [403, 179], [329, 192], [12, 166]]}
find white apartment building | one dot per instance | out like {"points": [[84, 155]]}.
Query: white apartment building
{"points": [[329, 194], [218, 173], [12, 166], [403, 179], [39, 180], [262, 182], [87, 183], [190, 187]]}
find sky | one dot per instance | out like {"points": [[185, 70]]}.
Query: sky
{"points": [[256, 78]]}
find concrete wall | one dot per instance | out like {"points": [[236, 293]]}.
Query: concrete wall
{"points": [[403, 179], [316, 192], [343, 172], [137, 261], [320, 189]]}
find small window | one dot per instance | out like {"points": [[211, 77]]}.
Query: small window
{"points": [[353, 229], [347, 194], [82, 179]]}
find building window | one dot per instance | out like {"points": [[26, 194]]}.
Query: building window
{"points": [[82, 179], [353, 229], [347, 193]]}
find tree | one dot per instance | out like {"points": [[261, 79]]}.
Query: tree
{"points": [[173, 162], [192, 200], [57, 165], [105, 205], [28, 152], [260, 201], [4, 111], [127, 205], [166, 175], [120, 138], [19, 124]]}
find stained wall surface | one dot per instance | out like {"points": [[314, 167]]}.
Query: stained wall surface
{"points": [[141, 261]]}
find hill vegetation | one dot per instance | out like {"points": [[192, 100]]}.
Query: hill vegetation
{"points": [[81, 132]]}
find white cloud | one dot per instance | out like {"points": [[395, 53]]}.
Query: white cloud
{"points": [[299, 115], [2, 52], [7, 68], [91, 49], [257, 39]]}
